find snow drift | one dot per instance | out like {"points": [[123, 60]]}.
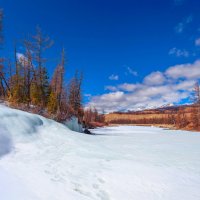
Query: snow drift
{"points": [[44, 160], [5, 141]]}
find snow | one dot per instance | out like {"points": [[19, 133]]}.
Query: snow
{"points": [[12, 188], [5, 142], [44, 160]]}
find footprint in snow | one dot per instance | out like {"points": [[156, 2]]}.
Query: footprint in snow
{"points": [[101, 180], [103, 195]]}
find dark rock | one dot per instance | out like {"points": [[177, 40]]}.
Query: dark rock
{"points": [[86, 131]]}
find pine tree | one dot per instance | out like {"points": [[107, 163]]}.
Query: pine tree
{"points": [[28, 69], [75, 95], [57, 87]]}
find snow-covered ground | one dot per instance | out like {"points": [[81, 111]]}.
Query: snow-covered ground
{"points": [[43, 160]]}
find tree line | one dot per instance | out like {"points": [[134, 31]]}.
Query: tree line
{"points": [[25, 84], [92, 118], [24, 80]]}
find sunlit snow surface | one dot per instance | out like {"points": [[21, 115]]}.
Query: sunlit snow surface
{"points": [[43, 160]]}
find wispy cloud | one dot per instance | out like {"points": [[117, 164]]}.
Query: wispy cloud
{"points": [[87, 95], [156, 89], [113, 77], [111, 88], [197, 42], [126, 87], [179, 52], [131, 71], [182, 25]]}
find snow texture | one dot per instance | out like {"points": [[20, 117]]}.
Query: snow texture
{"points": [[5, 141], [44, 160]]}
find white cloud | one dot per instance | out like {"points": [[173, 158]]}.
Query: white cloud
{"points": [[22, 59], [197, 42], [145, 97], [157, 89], [182, 25], [111, 88], [185, 85], [131, 71], [114, 77], [179, 52], [151, 91], [107, 102], [113, 96], [155, 78], [128, 87], [188, 71]]}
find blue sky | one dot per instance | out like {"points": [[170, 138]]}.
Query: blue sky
{"points": [[124, 48]]}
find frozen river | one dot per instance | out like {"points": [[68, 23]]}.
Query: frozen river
{"points": [[43, 160]]}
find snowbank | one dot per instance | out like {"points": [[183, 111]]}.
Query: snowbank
{"points": [[5, 141], [19, 122], [47, 161]]}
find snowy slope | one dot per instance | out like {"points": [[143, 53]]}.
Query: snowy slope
{"points": [[43, 160]]}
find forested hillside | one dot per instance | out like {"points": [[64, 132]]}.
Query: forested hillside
{"points": [[178, 117]]}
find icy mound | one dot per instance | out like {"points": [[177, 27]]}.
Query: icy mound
{"points": [[19, 122], [74, 125]]}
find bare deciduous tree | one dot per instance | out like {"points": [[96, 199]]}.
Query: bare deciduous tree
{"points": [[39, 45], [1, 26], [196, 107]]}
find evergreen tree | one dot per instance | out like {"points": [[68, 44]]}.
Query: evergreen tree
{"points": [[57, 93], [75, 95], [28, 69]]}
